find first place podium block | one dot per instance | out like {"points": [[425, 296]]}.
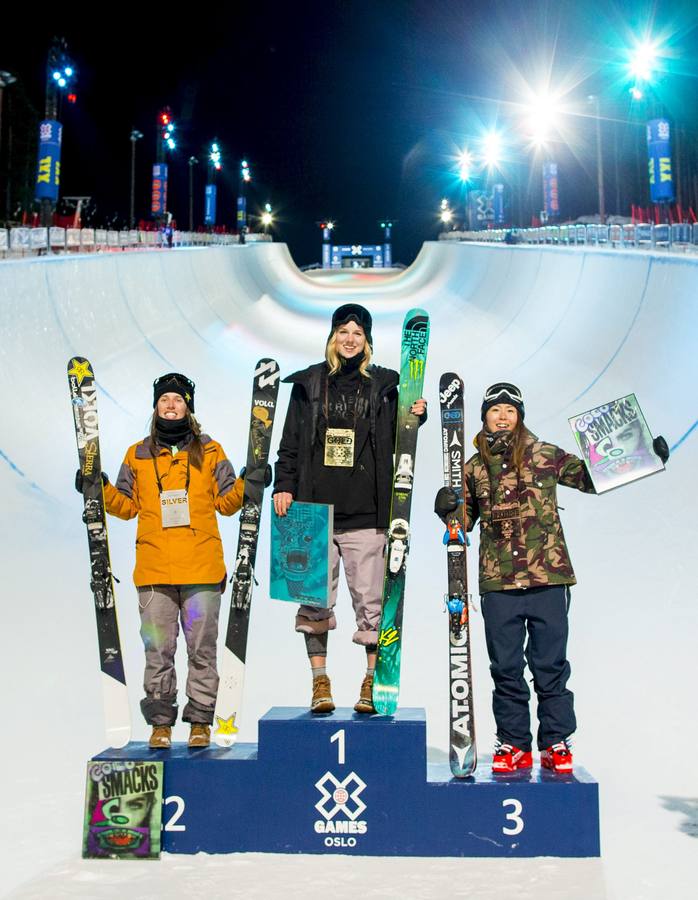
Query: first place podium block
{"points": [[345, 783]]}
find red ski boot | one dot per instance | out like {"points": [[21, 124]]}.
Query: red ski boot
{"points": [[509, 759], [558, 758]]}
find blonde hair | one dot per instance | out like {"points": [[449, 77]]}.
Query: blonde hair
{"points": [[195, 448], [334, 361]]}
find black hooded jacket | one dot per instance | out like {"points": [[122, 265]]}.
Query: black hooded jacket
{"points": [[294, 467]]}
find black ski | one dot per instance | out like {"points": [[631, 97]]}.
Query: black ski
{"points": [[462, 749], [83, 394], [232, 675]]}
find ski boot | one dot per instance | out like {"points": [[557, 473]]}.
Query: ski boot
{"points": [[557, 757], [508, 758]]}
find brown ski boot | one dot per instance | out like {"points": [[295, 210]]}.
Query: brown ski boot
{"points": [[365, 702], [322, 695], [200, 735], [161, 738]]}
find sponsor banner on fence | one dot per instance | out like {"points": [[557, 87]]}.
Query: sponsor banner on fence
{"points": [[38, 239], [4, 239], [100, 236], [72, 237], [87, 237], [19, 238], [56, 236]]}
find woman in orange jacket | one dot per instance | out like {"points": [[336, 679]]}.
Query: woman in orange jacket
{"points": [[175, 481]]}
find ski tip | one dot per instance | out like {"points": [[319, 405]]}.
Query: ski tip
{"points": [[80, 368], [416, 313]]}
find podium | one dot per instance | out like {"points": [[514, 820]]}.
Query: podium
{"points": [[345, 783]]}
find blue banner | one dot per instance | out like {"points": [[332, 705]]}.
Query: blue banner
{"points": [[242, 213], [659, 161], [326, 263], [387, 255], [551, 197], [480, 212], [498, 204], [210, 207], [158, 202], [48, 175]]}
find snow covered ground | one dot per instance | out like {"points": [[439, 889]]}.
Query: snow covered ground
{"points": [[572, 327]]}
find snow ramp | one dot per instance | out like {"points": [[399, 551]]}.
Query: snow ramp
{"points": [[573, 327]]}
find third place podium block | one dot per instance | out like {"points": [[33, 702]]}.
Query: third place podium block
{"points": [[354, 784]]}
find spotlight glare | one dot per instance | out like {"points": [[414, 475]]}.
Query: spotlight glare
{"points": [[643, 60], [465, 165], [492, 149]]}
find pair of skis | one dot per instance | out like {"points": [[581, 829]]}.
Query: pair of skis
{"points": [[83, 393], [386, 685]]}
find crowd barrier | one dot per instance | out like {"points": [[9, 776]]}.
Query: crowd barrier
{"points": [[640, 236], [19, 242]]}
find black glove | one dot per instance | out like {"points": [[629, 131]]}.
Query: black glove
{"points": [[79, 479], [267, 474], [445, 502], [661, 448]]}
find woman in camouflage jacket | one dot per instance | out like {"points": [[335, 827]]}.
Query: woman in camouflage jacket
{"points": [[525, 574]]}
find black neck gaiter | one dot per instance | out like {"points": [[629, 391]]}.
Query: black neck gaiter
{"points": [[172, 432]]}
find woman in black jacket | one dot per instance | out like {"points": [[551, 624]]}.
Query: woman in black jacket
{"points": [[337, 447]]}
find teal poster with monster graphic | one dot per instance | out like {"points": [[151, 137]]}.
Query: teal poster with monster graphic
{"points": [[301, 554]]}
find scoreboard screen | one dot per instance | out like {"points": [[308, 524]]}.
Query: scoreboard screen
{"points": [[357, 262]]}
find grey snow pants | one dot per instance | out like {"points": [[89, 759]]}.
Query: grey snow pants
{"points": [[161, 607], [362, 552]]}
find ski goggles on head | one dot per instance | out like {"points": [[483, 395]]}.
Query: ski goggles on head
{"points": [[174, 383], [503, 392]]}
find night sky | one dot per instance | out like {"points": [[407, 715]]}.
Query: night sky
{"points": [[351, 110]]}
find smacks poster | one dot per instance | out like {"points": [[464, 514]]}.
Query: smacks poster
{"points": [[123, 810], [615, 443]]}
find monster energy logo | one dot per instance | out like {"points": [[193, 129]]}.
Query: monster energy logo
{"points": [[416, 368]]}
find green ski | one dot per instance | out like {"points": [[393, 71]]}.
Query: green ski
{"points": [[386, 684]]}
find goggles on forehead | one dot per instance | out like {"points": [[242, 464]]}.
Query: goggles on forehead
{"points": [[503, 390], [177, 380]]}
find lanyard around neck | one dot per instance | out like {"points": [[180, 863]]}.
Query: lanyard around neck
{"points": [[157, 474]]}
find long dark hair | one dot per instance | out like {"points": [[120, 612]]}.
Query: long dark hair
{"points": [[518, 445], [195, 448]]}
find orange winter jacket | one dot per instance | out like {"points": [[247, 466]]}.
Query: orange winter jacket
{"points": [[187, 554]]}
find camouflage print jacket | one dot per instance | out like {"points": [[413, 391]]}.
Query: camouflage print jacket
{"points": [[521, 540]]}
